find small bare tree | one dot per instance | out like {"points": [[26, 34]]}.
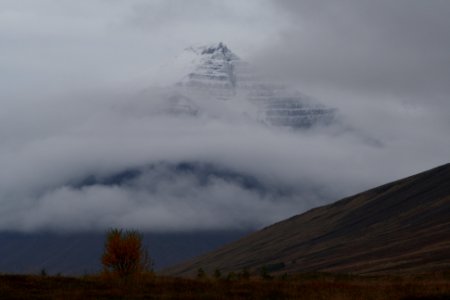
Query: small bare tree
{"points": [[125, 254]]}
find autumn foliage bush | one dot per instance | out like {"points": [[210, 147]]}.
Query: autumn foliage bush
{"points": [[124, 254]]}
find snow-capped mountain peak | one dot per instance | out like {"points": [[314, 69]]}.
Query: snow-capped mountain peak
{"points": [[204, 74]]}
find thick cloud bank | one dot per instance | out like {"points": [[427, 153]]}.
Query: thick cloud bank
{"points": [[78, 154], [111, 161]]}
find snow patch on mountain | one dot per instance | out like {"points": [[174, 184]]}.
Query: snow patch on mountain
{"points": [[203, 76]]}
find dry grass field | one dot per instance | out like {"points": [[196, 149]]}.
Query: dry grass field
{"points": [[315, 286]]}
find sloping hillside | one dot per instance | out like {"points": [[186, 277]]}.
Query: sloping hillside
{"points": [[400, 227]]}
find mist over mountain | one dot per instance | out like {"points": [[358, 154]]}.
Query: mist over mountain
{"points": [[217, 146], [196, 122], [302, 103]]}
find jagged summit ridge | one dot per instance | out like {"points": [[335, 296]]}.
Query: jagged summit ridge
{"points": [[214, 72], [219, 50]]}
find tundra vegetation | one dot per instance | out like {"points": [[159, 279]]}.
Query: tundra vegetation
{"points": [[300, 286]]}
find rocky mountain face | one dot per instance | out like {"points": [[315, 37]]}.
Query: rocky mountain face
{"points": [[215, 73], [399, 228]]}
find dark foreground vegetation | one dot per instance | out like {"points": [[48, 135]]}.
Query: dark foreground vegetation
{"points": [[154, 287]]}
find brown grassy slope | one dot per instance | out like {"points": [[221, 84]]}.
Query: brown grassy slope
{"points": [[302, 287], [400, 227]]}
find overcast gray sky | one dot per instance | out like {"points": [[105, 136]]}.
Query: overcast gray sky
{"points": [[70, 71]]}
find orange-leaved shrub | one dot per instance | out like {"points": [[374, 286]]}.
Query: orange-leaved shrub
{"points": [[124, 253]]}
